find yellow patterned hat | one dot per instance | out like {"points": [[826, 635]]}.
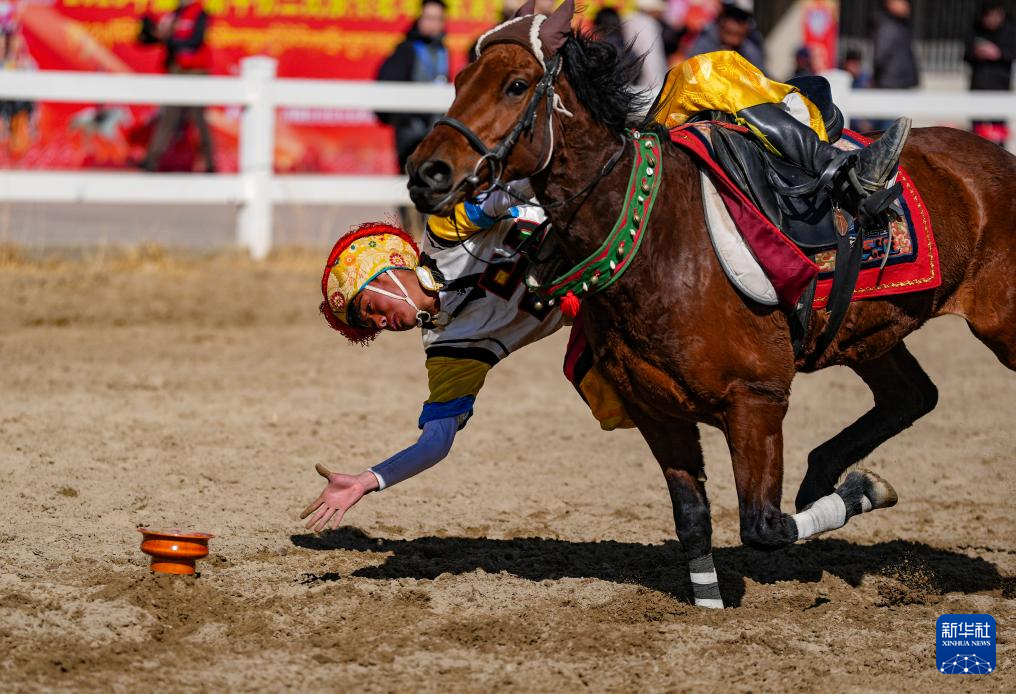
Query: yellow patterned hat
{"points": [[356, 259]]}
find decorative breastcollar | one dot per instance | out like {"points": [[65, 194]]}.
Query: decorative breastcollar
{"points": [[614, 256]]}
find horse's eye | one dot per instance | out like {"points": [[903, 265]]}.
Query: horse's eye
{"points": [[516, 88]]}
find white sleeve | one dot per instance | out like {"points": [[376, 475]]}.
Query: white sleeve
{"points": [[433, 445]]}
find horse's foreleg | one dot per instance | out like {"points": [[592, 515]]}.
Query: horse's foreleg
{"points": [[753, 425], [678, 450], [754, 428], [903, 393]]}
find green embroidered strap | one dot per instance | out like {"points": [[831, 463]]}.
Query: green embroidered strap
{"points": [[608, 263]]}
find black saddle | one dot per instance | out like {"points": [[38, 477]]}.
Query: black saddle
{"points": [[812, 222], [818, 92], [808, 221]]}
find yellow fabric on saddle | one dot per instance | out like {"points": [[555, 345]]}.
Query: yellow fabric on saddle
{"points": [[723, 81], [604, 402]]}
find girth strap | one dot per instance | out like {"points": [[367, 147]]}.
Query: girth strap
{"points": [[848, 267]]}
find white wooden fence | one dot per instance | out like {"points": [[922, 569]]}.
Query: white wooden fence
{"points": [[257, 90]]}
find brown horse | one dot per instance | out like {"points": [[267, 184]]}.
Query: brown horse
{"points": [[675, 338]]}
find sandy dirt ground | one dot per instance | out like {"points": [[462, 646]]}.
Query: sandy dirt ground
{"points": [[140, 389]]}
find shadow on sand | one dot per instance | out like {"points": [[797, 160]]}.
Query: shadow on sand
{"points": [[658, 567]]}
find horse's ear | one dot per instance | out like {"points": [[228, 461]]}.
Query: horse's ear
{"points": [[556, 30], [525, 8]]}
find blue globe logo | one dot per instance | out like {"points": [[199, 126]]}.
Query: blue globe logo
{"points": [[965, 665]]}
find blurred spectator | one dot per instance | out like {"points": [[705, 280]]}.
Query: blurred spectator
{"points": [[182, 34], [421, 57], [733, 30], [607, 28], [673, 27], [895, 64], [643, 31], [15, 116], [10, 25], [803, 66], [852, 63], [860, 79], [990, 52]]}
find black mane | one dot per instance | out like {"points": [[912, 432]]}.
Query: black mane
{"points": [[603, 81]]}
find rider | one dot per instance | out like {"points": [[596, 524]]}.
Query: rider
{"points": [[786, 121], [465, 292]]}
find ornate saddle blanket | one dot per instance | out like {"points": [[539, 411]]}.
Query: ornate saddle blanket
{"points": [[775, 264]]}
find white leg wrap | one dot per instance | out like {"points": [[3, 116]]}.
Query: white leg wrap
{"points": [[704, 578], [704, 584], [828, 513], [865, 504]]}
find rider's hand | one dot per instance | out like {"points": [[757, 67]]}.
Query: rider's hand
{"points": [[496, 203], [341, 493]]}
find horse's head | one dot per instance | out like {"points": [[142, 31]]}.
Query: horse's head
{"points": [[500, 126]]}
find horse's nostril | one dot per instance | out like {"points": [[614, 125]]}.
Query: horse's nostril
{"points": [[436, 174]]}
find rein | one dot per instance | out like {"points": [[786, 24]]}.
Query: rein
{"points": [[494, 159], [611, 260]]}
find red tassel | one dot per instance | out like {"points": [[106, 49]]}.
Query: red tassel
{"points": [[570, 305]]}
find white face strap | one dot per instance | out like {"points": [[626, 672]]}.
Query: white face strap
{"points": [[421, 316]]}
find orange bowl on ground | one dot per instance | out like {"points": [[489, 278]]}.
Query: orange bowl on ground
{"points": [[174, 551]]}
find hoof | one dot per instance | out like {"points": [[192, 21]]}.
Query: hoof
{"points": [[878, 492]]}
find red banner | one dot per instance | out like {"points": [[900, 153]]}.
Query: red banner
{"points": [[820, 20], [345, 39]]}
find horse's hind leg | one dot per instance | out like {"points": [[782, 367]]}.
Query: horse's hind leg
{"points": [[678, 450], [903, 393], [753, 424]]}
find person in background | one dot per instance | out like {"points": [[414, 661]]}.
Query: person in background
{"points": [[643, 32], [733, 30], [895, 64], [182, 34], [421, 57], [607, 28], [990, 52], [860, 79], [673, 28], [16, 116], [852, 63], [803, 67]]}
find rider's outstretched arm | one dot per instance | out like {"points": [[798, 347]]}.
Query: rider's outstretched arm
{"points": [[432, 447], [343, 491]]}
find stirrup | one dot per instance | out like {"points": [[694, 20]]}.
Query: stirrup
{"points": [[873, 207]]}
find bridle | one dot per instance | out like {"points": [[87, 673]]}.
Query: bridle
{"points": [[494, 159]]}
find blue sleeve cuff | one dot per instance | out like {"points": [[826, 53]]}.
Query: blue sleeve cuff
{"points": [[462, 408]]}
